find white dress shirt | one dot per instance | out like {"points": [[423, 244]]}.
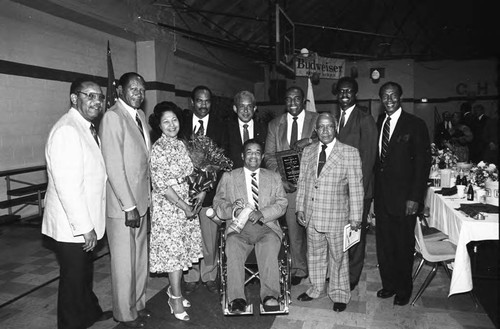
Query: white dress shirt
{"points": [[346, 115], [250, 129], [196, 123], [300, 124]]}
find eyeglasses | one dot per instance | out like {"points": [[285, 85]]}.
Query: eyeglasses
{"points": [[93, 96]]}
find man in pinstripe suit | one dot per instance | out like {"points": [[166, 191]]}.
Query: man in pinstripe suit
{"points": [[329, 196]]}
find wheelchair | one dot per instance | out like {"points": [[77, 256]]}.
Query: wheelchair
{"points": [[252, 273]]}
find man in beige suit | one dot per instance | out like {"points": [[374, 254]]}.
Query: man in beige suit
{"points": [[263, 191], [125, 148], [291, 130], [75, 204]]}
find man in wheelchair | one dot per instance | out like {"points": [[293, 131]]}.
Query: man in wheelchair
{"points": [[258, 194]]}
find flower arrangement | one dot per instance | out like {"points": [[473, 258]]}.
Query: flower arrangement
{"points": [[482, 172], [207, 159], [443, 158]]}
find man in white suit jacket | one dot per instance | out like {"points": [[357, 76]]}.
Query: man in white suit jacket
{"points": [[125, 148], [262, 229], [75, 204]]}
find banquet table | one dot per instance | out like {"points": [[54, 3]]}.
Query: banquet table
{"points": [[461, 229]]}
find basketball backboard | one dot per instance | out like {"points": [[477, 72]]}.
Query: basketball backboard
{"points": [[285, 43]]}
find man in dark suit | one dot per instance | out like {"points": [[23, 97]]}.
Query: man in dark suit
{"points": [[244, 127], [125, 149], [357, 128], [401, 173], [292, 130], [202, 121], [441, 131], [478, 145]]}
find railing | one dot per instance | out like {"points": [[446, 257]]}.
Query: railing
{"points": [[27, 194]]}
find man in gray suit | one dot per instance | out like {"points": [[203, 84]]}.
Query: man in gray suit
{"points": [[292, 130], [125, 148], [263, 191]]}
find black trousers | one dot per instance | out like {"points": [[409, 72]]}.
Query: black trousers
{"points": [[357, 252], [395, 237], [77, 305]]}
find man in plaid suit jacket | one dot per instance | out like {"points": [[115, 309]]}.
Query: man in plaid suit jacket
{"points": [[328, 198]]}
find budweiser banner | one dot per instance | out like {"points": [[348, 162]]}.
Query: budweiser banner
{"points": [[327, 68]]}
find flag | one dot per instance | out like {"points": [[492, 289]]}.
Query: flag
{"points": [[310, 105], [111, 95]]}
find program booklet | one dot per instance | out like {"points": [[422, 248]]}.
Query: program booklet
{"points": [[351, 237]]}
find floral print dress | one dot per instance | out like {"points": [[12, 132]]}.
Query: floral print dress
{"points": [[175, 241]]}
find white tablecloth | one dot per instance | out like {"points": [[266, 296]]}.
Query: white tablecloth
{"points": [[461, 229]]}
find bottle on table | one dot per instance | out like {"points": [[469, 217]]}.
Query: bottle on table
{"points": [[459, 178], [470, 193]]}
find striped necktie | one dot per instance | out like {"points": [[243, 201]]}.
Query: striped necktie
{"points": [[94, 133], [385, 138], [139, 124], [255, 191]]}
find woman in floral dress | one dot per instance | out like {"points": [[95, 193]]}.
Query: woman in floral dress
{"points": [[175, 237]]}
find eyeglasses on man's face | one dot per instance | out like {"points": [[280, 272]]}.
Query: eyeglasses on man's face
{"points": [[93, 96]]}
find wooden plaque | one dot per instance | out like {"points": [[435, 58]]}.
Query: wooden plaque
{"points": [[288, 165]]}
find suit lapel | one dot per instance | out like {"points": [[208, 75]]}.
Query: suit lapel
{"points": [[400, 127], [333, 158], [264, 191], [132, 126], [282, 131], [241, 186]]}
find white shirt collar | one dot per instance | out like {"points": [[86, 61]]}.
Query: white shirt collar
{"points": [[129, 108], [196, 122]]}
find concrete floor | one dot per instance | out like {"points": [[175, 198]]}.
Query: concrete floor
{"points": [[26, 265]]}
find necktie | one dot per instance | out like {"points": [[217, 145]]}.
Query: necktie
{"points": [[245, 133], [201, 129], [139, 124], [342, 120], [295, 129], [93, 131], [385, 138], [255, 190], [322, 158]]}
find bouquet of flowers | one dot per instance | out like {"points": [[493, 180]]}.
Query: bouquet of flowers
{"points": [[482, 172], [444, 158], [207, 159]]}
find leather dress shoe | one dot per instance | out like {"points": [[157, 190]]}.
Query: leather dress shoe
{"points": [[270, 304], [238, 305], [144, 313], [297, 280], [401, 301], [106, 315], [212, 286], [339, 307], [189, 287], [137, 323], [304, 297], [384, 293]]}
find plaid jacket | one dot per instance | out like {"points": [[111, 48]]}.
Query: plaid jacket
{"points": [[335, 198]]}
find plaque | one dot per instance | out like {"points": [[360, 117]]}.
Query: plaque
{"points": [[288, 165]]}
